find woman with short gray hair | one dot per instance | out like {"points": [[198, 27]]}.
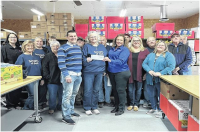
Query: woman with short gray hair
{"points": [[51, 73]]}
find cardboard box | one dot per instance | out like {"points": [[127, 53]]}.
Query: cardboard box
{"points": [[38, 33], [66, 23], [193, 124], [63, 35], [116, 27], [82, 34], [163, 26], [136, 33], [103, 33], [53, 29], [67, 16], [65, 28], [97, 19], [39, 30], [81, 27], [52, 16], [148, 33], [11, 73], [115, 19], [38, 25], [24, 35], [37, 18], [98, 27], [164, 33], [134, 26], [34, 36], [196, 45], [172, 92], [189, 34], [55, 34], [134, 19], [195, 108], [4, 34], [113, 34], [52, 22]]}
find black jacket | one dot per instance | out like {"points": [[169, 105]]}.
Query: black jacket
{"points": [[10, 54], [51, 71]]}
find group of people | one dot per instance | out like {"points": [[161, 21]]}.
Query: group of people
{"points": [[76, 71]]}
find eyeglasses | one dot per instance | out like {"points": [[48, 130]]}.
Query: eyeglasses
{"points": [[175, 36], [13, 37], [136, 40]]}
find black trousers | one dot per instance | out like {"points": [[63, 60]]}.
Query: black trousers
{"points": [[119, 82]]}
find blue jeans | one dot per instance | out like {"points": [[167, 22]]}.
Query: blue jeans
{"points": [[189, 72], [29, 103], [135, 91], [154, 95], [92, 84], [70, 91], [108, 90], [146, 95], [55, 90]]}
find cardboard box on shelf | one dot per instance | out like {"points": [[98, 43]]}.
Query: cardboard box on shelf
{"points": [[81, 27], [113, 34], [172, 92], [195, 108], [4, 34], [38, 25], [115, 19], [97, 19], [39, 30], [163, 26], [134, 19], [52, 16], [24, 35], [37, 18], [66, 23], [164, 33], [67, 16], [63, 35], [116, 27], [65, 28], [53, 22], [82, 34], [189, 34], [53, 29], [102, 33], [38, 33], [99, 27], [34, 36], [136, 33], [55, 34], [134, 26]]}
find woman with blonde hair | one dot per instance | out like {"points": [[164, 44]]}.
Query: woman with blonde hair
{"points": [[137, 56], [160, 62], [93, 69], [31, 64]]}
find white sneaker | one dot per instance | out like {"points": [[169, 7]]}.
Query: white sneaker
{"points": [[152, 111], [96, 111], [88, 112], [158, 114]]}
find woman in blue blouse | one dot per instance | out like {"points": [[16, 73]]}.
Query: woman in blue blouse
{"points": [[160, 62], [32, 66], [119, 72]]}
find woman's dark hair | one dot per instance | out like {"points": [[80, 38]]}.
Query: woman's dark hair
{"points": [[115, 39], [17, 43]]}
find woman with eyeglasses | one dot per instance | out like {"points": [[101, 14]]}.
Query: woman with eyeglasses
{"points": [[9, 54], [93, 69], [137, 56], [160, 62]]}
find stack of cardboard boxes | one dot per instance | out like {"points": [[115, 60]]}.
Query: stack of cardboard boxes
{"points": [[163, 30], [81, 30], [135, 26], [59, 23]]}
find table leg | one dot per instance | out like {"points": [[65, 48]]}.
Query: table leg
{"points": [[190, 104]]}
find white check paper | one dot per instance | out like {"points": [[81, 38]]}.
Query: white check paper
{"points": [[97, 57]]}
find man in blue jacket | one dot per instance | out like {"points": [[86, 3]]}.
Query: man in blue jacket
{"points": [[182, 54]]}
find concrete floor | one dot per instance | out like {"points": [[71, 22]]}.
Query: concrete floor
{"points": [[106, 121]]}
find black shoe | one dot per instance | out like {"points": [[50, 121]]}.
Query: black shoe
{"points": [[75, 114], [78, 103], [101, 104], [119, 113], [109, 104], [114, 110], [68, 121]]}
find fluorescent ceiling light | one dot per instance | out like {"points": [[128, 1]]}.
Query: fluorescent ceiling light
{"points": [[122, 13], [37, 12]]}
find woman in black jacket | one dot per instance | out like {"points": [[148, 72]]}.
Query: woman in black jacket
{"points": [[9, 54], [51, 73]]}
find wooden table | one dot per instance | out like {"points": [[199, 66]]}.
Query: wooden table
{"points": [[12, 119]]}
